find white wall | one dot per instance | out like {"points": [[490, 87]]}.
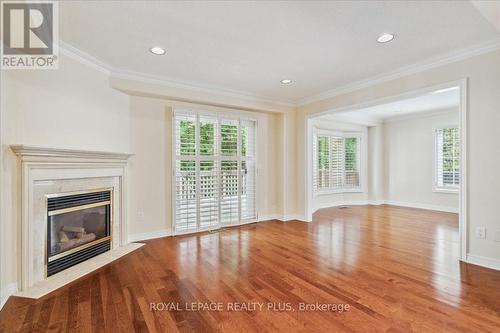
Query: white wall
{"points": [[72, 107], [409, 148], [321, 200], [149, 168]]}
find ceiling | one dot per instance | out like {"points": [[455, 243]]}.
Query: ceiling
{"points": [[248, 47], [441, 99]]}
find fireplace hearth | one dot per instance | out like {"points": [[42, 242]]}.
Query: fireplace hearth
{"points": [[78, 227]]}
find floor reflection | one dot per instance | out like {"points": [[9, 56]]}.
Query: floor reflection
{"points": [[446, 265]]}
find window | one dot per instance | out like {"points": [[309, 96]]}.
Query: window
{"points": [[447, 158], [336, 162], [214, 173]]}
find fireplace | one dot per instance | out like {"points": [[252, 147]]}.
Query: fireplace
{"points": [[78, 227]]}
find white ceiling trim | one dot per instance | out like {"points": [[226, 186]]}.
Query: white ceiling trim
{"points": [[388, 99], [85, 58], [405, 71], [158, 80]]}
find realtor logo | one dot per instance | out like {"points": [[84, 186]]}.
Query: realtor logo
{"points": [[29, 30]]}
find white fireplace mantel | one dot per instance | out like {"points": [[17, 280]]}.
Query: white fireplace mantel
{"points": [[34, 152], [43, 171]]}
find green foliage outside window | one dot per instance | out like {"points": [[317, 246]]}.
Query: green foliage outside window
{"points": [[323, 152], [228, 141], [451, 150], [351, 150]]}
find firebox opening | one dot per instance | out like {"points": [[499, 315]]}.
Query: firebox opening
{"points": [[78, 228]]}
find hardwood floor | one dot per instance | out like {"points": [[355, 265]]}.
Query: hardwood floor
{"points": [[397, 268]]}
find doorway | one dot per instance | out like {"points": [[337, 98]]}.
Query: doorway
{"points": [[449, 172], [214, 172]]}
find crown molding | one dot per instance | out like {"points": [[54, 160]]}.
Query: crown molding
{"points": [[89, 60], [158, 80], [84, 58], [450, 57]]}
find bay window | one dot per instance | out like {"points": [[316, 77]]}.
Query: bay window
{"points": [[336, 162]]}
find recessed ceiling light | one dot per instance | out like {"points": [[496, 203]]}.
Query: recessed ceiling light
{"points": [[286, 81], [384, 38], [157, 50]]}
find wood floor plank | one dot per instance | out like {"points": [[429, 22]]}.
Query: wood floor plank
{"points": [[397, 268]]}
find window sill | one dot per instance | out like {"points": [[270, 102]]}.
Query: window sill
{"points": [[329, 192], [445, 190]]}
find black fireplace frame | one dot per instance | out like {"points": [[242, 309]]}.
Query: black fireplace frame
{"points": [[73, 201]]}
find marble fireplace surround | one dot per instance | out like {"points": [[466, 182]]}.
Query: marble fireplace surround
{"points": [[49, 171]]}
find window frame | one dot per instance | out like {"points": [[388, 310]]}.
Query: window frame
{"points": [[239, 116], [449, 189], [342, 134]]}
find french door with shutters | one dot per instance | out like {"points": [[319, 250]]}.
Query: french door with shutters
{"points": [[214, 172]]}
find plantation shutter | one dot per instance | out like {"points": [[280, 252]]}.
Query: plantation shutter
{"points": [[208, 172], [186, 213], [448, 157], [248, 170], [336, 162], [351, 163], [229, 171], [323, 161], [215, 171], [315, 162]]}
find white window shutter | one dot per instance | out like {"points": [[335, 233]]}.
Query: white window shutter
{"points": [[215, 171], [229, 202], [208, 172], [351, 162], [229, 171], [336, 162], [323, 161], [448, 158], [186, 213], [315, 162], [248, 170]]}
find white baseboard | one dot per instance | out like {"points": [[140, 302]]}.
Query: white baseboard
{"points": [[9, 290], [376, 202], [165, 232], [298, 217], [387, 202], [270, 217], [483, 261], [341, 203], [422, 206], [149, 235], [283, 218]]}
